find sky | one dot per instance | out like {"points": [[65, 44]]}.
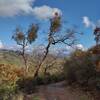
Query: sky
{"points": [[82, 13]]}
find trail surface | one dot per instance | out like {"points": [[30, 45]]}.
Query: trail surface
{"points": [[58, 91]]}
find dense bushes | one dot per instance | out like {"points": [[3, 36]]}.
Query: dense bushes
{"points": [[14, 80], [8, 77], [28, 84], [7, 91], [80, 68], [49, 79]]}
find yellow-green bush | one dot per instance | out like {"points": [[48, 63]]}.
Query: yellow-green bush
{"points": [[8, 77]]}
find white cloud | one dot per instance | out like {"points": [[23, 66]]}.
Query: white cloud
{"points": [[40, 49], [12, 47], [68, 48], [10, 8], [1, 45], [89, 23], [86, 21], [45, 12], [80, 46], [98, 23], [15, 7], [74, 47], [18, 47]]}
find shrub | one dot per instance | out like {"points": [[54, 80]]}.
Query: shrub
{"points": [[7, 91], [26, 85], [8, 76], [80, 68]]}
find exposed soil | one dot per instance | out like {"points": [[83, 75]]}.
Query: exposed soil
{"points": [[58, 91]]}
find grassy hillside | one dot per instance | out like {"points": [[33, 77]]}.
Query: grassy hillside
{"points": [[10, 57], [53, 63]]}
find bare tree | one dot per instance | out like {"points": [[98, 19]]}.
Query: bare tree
{"points": [[54, 38], [49, 63], [24, 40]]}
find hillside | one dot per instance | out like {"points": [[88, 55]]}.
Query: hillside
{"points": [[10, 57]]}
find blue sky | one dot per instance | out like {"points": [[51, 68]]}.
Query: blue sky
{"points": [[83, 13]]}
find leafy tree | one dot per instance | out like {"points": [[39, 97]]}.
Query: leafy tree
{"points": [[25, 39]]}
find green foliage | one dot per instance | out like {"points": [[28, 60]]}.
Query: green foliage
{"points": [[28, 85], [7, 91], [36, 98], [49, 79], [84, 97], [8, 78]]}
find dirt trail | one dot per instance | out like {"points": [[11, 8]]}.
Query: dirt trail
{"points": [[59, 92]]}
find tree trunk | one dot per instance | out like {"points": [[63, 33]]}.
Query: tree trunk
{"points": [[24, 58], [38, 67]]}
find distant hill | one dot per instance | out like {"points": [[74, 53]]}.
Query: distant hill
{"points": [[10, 57]]}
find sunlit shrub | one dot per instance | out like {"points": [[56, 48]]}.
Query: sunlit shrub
{"points": [[10, 73], [8, 76]]}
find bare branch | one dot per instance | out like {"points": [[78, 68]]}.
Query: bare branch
{"points": [[23, 40]]}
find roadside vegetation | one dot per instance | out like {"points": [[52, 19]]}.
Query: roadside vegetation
{"points": [[21, 72]]}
